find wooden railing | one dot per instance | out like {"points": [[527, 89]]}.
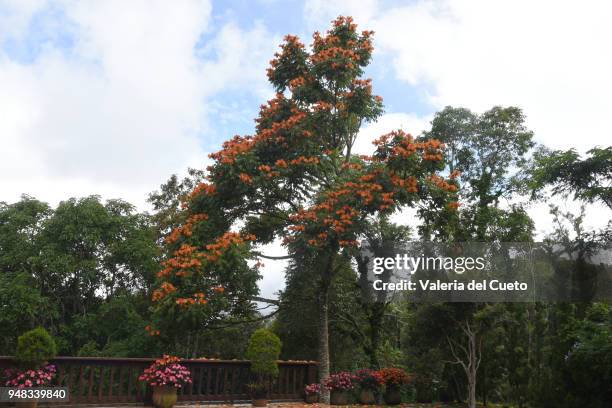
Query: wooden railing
{"points": [[98, 380]]}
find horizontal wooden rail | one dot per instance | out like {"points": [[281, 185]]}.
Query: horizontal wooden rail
{"points": [[101, 380]]}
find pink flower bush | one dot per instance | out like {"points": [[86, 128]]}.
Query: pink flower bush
{"points": [[166, 371], [342, 381], [312, 389], [31, 378], [369, 379]]}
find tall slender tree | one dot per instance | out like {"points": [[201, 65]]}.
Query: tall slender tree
{"points": [[297, 179]]}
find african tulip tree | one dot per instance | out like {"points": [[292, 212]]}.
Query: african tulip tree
{"points": [[296, 178]]}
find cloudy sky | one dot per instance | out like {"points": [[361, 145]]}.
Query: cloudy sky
{"points": [[111, 97]]}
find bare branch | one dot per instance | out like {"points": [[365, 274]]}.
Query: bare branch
{"points": [[265, 300], [274, 258]]}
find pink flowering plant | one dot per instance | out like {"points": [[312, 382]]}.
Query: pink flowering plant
{"points": [[369, 379], [40, 377], [166, 371], [312, 389], [342, 381]]}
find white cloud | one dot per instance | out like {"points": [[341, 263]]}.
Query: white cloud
{"points": [[242, 59], [549, 58], [318, 13], [126, 106]]}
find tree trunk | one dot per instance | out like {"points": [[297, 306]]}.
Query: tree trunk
{"points": [[323, 341], [472, 355], [472, 367]]}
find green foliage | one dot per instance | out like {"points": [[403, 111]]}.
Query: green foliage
{"points": [[263, 351], [588, 179], [22, 307], [589, 361], [485, 148], [62, 268], [35, 347]]}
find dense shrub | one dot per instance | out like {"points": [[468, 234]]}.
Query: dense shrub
{"points": [[35, 347], [395, 377], [166, 371], [264, 350], [342, 381], [368, 379]]}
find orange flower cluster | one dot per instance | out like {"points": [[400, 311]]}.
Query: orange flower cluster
{"points": [[278, 127], [304, 160], [322, 106], [403, 145], [346, 215], [274, 105], [185, 230], [290, 47], [363, 83], [264, 168], [453, 205], [167, 359], [442, 184], [298, 227], [245, 178], [233, 148], [454, 174], [222, 243], [345, 21], [164, 290], [185, 258], [335, 53], [352, 166], [267, 170], [384, 139], [297, 82], [197, 299], [387, 200], [208, 189], [151, 331], [365, 190], [347, 55], [410, 183], [348, 243], [239, 145]]}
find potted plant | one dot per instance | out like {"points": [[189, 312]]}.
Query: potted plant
{"points": [[369, 382], [34, 350], [165, 376], [339, 384], [394, 379], [312, 392], [263, 351]]}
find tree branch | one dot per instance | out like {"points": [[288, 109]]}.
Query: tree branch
{"points": [[265, 300], [274, 258], [239, 322]]}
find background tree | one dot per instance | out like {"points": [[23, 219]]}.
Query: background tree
{"points": [[486, 152], [588, 179], [71, 267]]}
